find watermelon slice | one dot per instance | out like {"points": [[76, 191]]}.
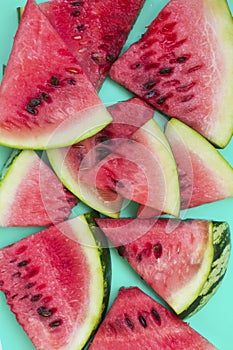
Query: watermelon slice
{"points": [[183, 261], [141, 169], [204, 175], [52, 102], [95, 31], [127, 116], [136, 321], [57, 284], [30, 193], [183, 66]]}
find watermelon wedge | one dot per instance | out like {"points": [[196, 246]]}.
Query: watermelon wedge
{"points": [[141, 169], [57, 283], [95, 31], [136, 321], [204, 175], [127, 116], [31, 194], [52, 102], [183, 261], [183, 66]]}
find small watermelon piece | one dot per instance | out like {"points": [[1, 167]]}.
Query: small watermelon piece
{"points": [[183, 261], [46, 100], [57, 283], [127, 116], [95, 31], [141, 169], [136, 321], [204, 175], [30, 192], [183, 67]]}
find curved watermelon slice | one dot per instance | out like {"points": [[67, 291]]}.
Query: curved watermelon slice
{"points": [[52, 102], [183, 261], [95, 31], [57, 284], [127, 116], [136, 321], [183, 66], [141, 169], [204, 175], [31, 194]]}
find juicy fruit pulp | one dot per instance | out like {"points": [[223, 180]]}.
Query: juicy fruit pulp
{"points": [[95, 31], [168, 69], [46, 107], [175, 258], [135, 321], [57, 284], [127, 116], [31, 194], [204, 175]]}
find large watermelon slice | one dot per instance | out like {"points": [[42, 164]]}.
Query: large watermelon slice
{"points": [[95, 31], [127, 116], [57, 284], [183, 261], [30, 193], [141, 169], [136, 321], [204, 175], [183, 66], [46, 100]]}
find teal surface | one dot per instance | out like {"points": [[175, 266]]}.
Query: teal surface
{"points": [[215, 320]]}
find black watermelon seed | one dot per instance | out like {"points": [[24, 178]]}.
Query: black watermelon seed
{"points": [[156, 316], [161, 100], [129, 323], [71, 81], [36, 297], [31, 110], [23, 263], [45, 96], [165, 71], [135, 66], [181, 59], [55, 323], [14, 296], [103, 138], [34, 102], [149, 85], [54, 81], [29, 285], [75, 13], [139, 257], [150, 94], [80, 28], [142, 321], [44, 311], [157, 250], [77, 3]]}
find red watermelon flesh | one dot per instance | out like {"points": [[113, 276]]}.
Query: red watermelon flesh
{"points": [[183, 67], [136, 321], [31, 194], [95, 31], [52, 102]]}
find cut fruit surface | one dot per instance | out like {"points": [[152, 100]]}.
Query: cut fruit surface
{"points": [[168, 69], [95, 31], [31, 194], [127, 116], [52, 104], [57, 283], [183, 261], [141, 169], [204, 175], [136, 321]]}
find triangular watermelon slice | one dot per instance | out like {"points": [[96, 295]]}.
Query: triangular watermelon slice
{"points": [[204, 175], [136, 321], [183, 66], [46, 100], [141, 169], [95, 31], [127, 116], [183, 261], [31, 194]]}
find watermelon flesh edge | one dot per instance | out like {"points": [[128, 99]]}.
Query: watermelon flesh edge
{"points": [[136, 321], [127, 116], [95, 31], [31, 194], [168, 69], [57, 106], [57, 309]]}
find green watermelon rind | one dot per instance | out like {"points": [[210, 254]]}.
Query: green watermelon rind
{"points": [[222, 247]]}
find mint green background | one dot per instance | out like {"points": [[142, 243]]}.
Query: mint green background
{"points": [[215, 320]]}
